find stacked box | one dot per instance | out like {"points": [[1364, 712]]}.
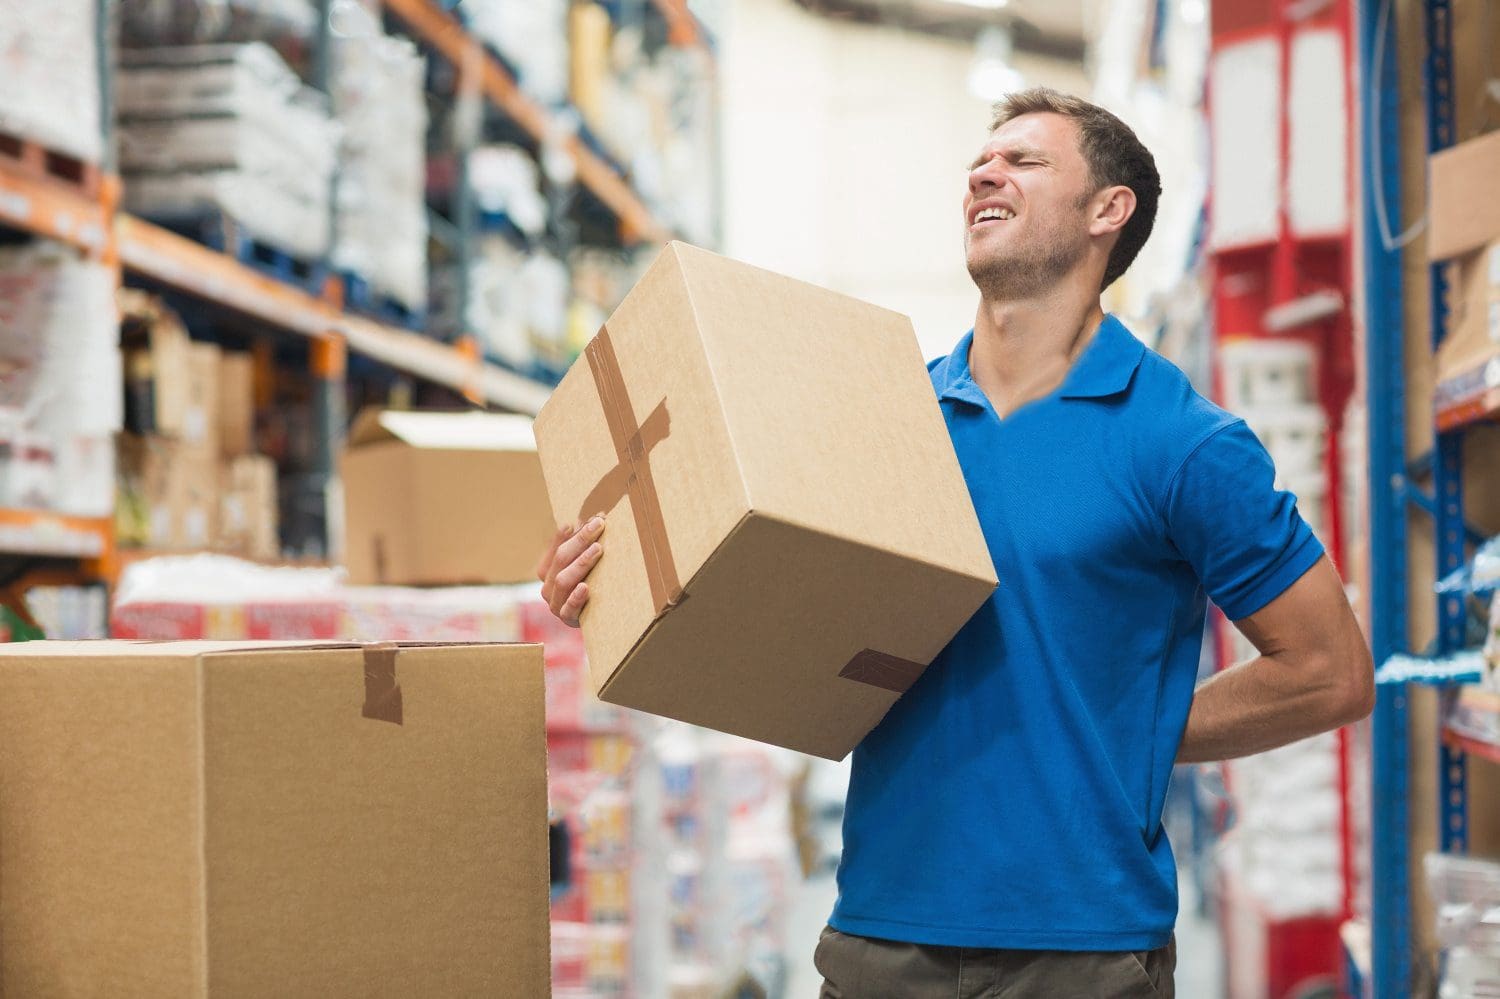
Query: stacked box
{"points": [[227, 128], [379, 102], [49, 60], [60, 344]]}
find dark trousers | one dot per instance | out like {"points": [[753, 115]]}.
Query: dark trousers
{"points": [[864, 968]]}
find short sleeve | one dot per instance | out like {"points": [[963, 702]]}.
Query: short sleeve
{"points": [[1242, 536]]}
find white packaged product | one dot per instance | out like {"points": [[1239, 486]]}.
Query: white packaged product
{"points": [[227, 128], [1262, 372], [49, 62], [379, 101]]}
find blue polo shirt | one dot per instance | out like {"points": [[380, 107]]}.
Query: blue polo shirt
{"points": [[1013, 797]]}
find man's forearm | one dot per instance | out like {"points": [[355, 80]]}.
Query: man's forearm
{"points": [[1262, 704]]}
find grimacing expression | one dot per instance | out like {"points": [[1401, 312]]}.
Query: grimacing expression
{"points": [[1025, 210]]}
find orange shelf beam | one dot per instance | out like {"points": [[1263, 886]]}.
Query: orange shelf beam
{"points": [[53, 210], [191, 267], [45, 534], [446, 35], [682, 26], [1474, 747]]}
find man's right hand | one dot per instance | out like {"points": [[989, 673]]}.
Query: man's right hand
{"points": [[567, 563]]}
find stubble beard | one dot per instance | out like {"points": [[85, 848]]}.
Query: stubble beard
{"points": [[1027, 272]]}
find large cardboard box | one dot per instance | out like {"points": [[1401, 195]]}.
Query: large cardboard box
{"points": [[443, 498], [790, 539], [204, 819], [236, 397]]}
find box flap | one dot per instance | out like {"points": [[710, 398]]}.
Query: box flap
{"points": [[473, 431], [146, 648]]}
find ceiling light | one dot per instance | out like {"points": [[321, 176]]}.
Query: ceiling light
{"points": [[992, 76]]}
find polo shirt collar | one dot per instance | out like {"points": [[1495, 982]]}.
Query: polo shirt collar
{"points": [[1106, 365], [1104, 369]]}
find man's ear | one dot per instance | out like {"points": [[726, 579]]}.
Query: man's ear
{"points": [[1112, 208]]}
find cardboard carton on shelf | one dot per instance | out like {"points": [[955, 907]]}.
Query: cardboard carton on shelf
{"points": [[156, 348], [443, 499], [1464, 227], [200, 422], [236, 398], [790, 540], [169, 494], [248, 507], [272, 819]]}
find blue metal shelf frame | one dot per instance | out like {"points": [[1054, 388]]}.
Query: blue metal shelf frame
{"points": [[1390, 492], [1390, 890]]}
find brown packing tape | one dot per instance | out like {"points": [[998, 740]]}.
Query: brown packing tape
{"points": [[631, 475], [881, 670], [382, 692]]}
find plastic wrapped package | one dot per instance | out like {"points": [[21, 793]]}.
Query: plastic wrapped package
{"points": [[61, 343], [532, 36], [217, 596], [1285, 847], [379, 101], [228, 128], [187, 22], [1466, 891], [49, 60]]}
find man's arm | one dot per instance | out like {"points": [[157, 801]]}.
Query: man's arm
{"points": [[1314, 674]]}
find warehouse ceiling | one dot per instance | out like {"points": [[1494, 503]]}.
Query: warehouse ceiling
{"points": [[1055, 28]]}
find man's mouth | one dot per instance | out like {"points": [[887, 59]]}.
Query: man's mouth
{"points": [[990, 216]]}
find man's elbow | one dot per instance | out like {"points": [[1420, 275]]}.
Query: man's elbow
{"points": [[1353, 696]]}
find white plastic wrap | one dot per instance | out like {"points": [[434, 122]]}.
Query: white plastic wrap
{"points": [[227, 128], [60, 345], [532, 35], [49, 62], [379, 101], [1285, 846]]}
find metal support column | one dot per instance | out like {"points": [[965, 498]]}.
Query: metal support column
{"points": [[329, 361], [1447, 471], [1381, 164]]}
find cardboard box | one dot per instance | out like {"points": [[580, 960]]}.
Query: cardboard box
{"points": [[790, 539], [156, 349], [248, 508], [443, 498], [169, 495], [236, 418], [200, 422], [1473, 322], [206, 819], [1462, 212]]}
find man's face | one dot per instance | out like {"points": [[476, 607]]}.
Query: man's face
{"points": [[1025, 212]]}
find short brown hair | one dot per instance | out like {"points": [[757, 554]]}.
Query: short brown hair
{"points": [[1114, 155]]}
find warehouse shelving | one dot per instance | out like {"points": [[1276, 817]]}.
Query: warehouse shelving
{"points": [[448, 37], [46, 534], [54, 210], [1392, 492], [181, 263]]}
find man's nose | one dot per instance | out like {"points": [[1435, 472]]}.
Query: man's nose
{"points": [[988, 175]]}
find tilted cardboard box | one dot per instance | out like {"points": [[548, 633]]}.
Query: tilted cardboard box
{"points": [[443, 498], [217, 819], [790, 539]]}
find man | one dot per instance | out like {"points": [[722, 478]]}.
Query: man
{"points": [[1003, 831]]}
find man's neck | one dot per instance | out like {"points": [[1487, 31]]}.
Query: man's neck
{"points": [[1023, 349]]}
